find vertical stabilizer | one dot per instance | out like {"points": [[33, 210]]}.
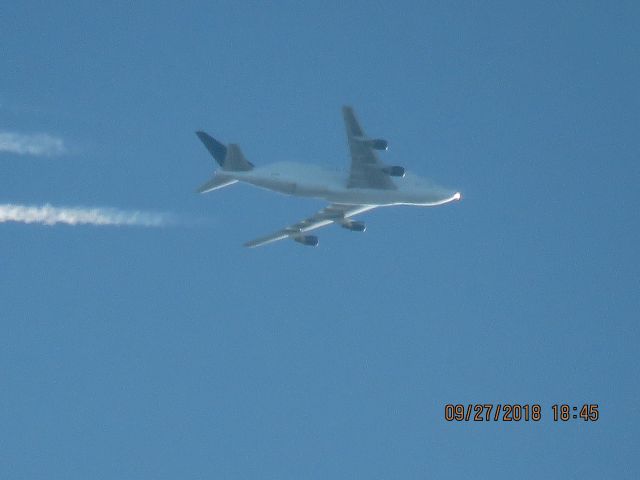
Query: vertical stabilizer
{"points": [[229, 158], [216, 149], [235, 161]]}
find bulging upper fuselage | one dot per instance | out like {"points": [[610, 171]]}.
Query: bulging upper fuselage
{"points": [[315, 181]]}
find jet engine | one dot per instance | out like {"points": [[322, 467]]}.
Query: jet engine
{"points": [[310, 240], [394, 171], [354, 226], [375, 143], [378, 144]]}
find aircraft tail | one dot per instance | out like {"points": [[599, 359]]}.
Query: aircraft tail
{"points": [[230, 157]]}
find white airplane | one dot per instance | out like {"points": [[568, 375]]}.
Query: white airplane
{"points": [[369, 183]]}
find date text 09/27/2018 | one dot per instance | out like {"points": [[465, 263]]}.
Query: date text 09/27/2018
{"points": [[515, 412]]}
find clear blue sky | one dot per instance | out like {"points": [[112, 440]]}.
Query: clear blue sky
{"points": [[162, 353]]}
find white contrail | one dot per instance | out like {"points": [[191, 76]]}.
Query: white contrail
{"points": [[50, 215], [38, 144]]}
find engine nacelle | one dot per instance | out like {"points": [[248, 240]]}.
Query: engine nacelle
{"points": [[394, 171], [310, 240], [378, 144], [375, 143], [354, 226]]}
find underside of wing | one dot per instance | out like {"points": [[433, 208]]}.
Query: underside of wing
{"points": [[332, 213], [367, 171]]}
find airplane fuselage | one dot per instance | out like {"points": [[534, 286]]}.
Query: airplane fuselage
{"points": [[315, 181], [368, 184]]}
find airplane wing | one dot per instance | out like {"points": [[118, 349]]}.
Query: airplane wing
{"points": [[366, 168], [335, 212]]}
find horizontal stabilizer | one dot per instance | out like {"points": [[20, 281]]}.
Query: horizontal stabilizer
{"points": [[218, 181]]}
